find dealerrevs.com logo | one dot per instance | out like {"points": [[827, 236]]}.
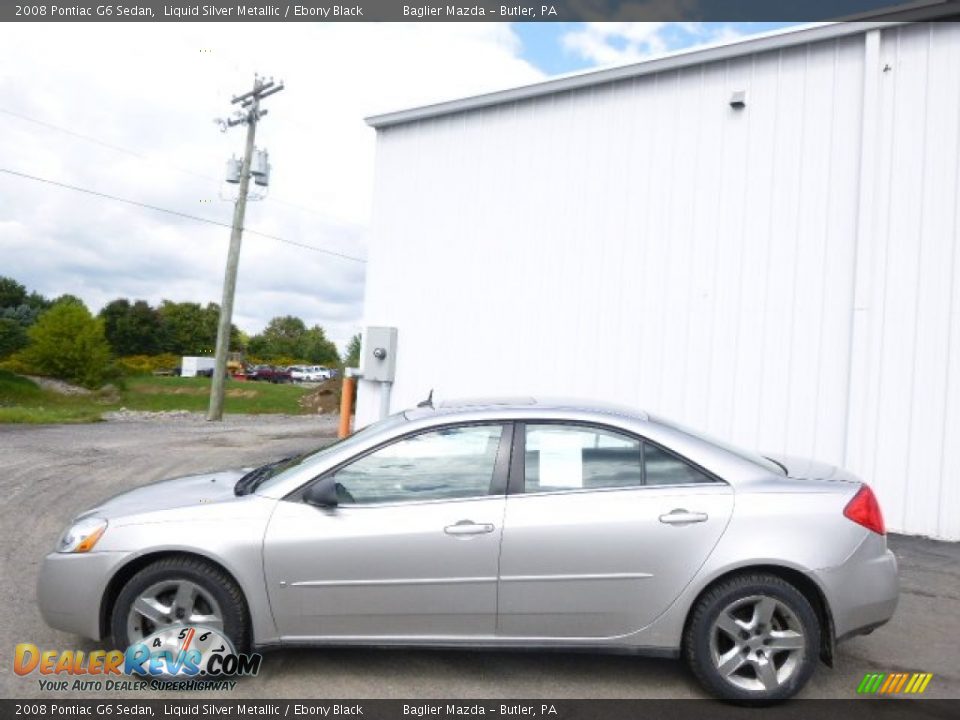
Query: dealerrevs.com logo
{"points": [[182, 657]]}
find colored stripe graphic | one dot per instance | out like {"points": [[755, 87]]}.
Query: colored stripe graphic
{"points": [[893, 683], [870, 683], [891, 679], [900, 683]]}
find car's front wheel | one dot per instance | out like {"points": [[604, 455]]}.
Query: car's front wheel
{"points": [[179, 591], [753, 638]]}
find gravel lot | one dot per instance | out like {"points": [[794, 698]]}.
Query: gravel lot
{"points": [[50, 473]]}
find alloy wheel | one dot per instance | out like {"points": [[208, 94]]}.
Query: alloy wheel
{"points": [[172, 602], [757, 643]]}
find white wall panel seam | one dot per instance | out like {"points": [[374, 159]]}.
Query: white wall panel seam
{"points": [[860, 311], [950, 379], [796, 242], [826, 251], [921, 242]]}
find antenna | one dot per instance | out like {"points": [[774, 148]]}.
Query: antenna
{"points": [[428, 402]]}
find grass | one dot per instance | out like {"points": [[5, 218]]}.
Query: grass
{"points": [[23, 401]]}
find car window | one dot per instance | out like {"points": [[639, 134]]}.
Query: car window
{"points": [[760, 460], [665, 468], [568, 457], [283, 471], [451, 463]]}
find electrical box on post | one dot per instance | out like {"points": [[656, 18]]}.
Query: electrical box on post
{"points": [[379, 354]]}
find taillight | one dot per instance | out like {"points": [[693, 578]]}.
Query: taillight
{"points": [[864, 510]]}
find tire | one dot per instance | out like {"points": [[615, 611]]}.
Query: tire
{"points": [[216, 595], [765, 613]]}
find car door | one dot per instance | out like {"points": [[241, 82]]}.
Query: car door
{"points": [[410, 551], [602, 531]]}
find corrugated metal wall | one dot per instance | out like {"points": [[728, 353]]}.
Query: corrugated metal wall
{"points": [[904, 428], [644, 243]]}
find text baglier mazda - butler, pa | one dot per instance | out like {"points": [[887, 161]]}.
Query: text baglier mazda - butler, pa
{"points": [[480, 11], [502, 709]]}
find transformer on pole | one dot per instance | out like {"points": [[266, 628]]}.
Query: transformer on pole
{"points": [[249, 114]]}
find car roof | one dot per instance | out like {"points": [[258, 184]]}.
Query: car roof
{"points": [[519, 404]]}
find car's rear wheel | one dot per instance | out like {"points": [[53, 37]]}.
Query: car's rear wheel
{"points": [[753, 638], [179, 591]]}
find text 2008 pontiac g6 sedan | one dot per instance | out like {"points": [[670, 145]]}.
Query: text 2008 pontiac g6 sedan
{"points": [[498, 524]]}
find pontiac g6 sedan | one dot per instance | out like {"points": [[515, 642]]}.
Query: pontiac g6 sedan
{"points": [[498, 524]]}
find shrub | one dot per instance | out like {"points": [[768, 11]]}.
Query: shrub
{"points": [[68, 343], [146, 364]]}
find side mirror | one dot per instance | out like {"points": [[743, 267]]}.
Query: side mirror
{"points": [[322, 494]]}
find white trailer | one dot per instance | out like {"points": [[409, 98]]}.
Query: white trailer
{"points": [[192, 365]]}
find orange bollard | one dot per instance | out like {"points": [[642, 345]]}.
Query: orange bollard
{"points": [[346, 406]]}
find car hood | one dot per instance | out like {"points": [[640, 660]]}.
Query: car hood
{"points": [[807, 469], [169, 494]]}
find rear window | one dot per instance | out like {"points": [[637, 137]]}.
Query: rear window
{"points": [[754, 458]]}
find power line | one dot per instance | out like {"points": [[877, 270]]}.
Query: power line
{"points": [[177, 213], [146, 158]]}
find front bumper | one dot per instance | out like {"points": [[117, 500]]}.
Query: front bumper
{"points": [[70, 590], [862, 592]]}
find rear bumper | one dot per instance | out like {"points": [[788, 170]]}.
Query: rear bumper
{"points": [[862, 592]]}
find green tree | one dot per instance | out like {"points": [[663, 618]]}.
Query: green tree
{"points": [[353, 352], [283, 336], [68, 299], [114, 316], [184, 329], [67, 342], [37, 301], [13, 337], [190, 329], [22, 314], [131, 329], [18, 311], [316, 348], [12, 293], [242, 341], [288, 336]]}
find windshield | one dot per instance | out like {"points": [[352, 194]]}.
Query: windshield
{"points": [[756, 459], [272, 473]]}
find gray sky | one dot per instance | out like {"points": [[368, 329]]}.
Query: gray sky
{"points": [[140, 100]]}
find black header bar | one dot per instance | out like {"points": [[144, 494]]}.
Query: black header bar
{"points": [[473, 10], [202, 707]]}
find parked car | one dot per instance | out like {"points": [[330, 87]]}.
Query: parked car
{"points": [[517, 524], [309, 373], [269, 373]]}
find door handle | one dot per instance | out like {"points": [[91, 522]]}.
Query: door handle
{"points": [[682, 517], [468, 527]]}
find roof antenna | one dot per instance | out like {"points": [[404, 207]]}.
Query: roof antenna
{"points": [[428, 402]]}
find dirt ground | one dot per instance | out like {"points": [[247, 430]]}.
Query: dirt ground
{"points": [[324, 398], [49, 473]]}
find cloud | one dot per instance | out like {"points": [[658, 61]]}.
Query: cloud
{"points": [[155, 89], [617, 43]]}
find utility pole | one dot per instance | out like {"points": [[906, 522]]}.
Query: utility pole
{"points": [[250, 114]]}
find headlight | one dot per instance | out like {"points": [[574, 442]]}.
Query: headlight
{"points": [[82, 535]]}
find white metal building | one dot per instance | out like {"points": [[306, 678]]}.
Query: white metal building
{"points": [[785, 276]]}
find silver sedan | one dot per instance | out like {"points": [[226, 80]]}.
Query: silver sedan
{"points": [[498, 524]]}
